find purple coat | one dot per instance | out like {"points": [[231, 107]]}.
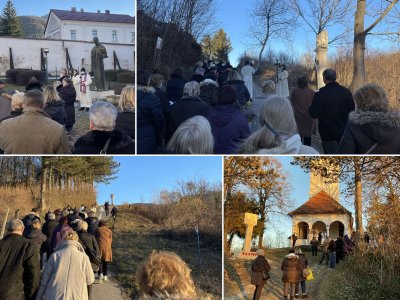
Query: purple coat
{"points": [[229, 127]]}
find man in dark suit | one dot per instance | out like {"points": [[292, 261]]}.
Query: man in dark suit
{"points": [[331, 106]]}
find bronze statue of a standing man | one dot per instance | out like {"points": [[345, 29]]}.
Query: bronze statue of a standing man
{"points": [[99, 52]]}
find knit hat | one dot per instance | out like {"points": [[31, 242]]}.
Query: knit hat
{"points": [[227, 94]]}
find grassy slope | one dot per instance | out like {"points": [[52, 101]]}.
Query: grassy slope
{"points": [[135, 237]]}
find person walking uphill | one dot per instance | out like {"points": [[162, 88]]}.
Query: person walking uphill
{"points": [[19, 265], [314, 246], [259, 268], [331, 105], [104, 239], [291, 273]]}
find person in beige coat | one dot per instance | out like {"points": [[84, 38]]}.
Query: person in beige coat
{"points": [[68, 272], [34, 132], [103, 236]]}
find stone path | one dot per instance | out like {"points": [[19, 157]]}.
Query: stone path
{"points": [[107, 290]]}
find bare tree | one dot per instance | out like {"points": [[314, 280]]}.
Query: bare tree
{"points": [[360, 34], [270, 19], [319, 15]]}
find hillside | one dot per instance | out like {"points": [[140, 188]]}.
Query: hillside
{"points": [[33, 26], [135, 237]]}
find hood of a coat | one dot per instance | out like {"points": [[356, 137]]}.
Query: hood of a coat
{"points": [[208, 81], [221, 115], [378, 126], [292, 145], [292, 256], [67, 244]]}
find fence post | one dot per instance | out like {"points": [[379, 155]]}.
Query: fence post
{"points": [[3, 226]]}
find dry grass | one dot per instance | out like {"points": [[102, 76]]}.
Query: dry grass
{"points": [[135, 237]]}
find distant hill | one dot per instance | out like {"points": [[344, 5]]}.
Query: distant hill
{"points": [[33, 26]]}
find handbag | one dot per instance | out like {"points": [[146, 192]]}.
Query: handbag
{"points": [[306, 272], [310, 276], [92, 254], [265, 275]]}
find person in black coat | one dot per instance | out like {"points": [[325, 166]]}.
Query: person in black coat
{"points": [[107, 208], [258, 267], [38, 238], [33, 84], [157, 81], [114, 212], [88, 242], [175, 85], [102, 137], [243, 95], [372, 128], [126, 116], [63, 75], [19, 265], [339, 249], [331, 105], [188, 106], [92, 222], [68, 93], [48, 228], [150, 117], [54, 105]]}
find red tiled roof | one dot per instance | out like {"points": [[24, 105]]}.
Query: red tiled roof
{"points": [[93, 17], [320, 203]]}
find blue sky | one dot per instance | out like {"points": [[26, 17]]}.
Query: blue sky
{"points": [[233, 17], [43, 7], [140, 178]]}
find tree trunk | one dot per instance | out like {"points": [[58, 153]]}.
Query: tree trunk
{"points": [[262, 220], [358, 200], [43, 187], [359, 76]]}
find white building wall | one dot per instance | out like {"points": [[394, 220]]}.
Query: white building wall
{"points": [[26, 54]]}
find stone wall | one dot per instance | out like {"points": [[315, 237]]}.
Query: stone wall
{"points": [[26, 54]]}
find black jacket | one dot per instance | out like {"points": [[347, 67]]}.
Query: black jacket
{"points": [[184, 109], [93, 223], [331, 106], [93, 142], [150, 121], [37, 237], [48, 229], [55, 109], [68, 94], [126, 122], [366, 129], [209, 91], [36, 85], [114, 211], [88, 240], [19, 268]]}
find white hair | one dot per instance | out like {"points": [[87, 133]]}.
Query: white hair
{"points": [[275, 115], [15, 225], [103, 115], [51, 216], [193, 136], [82, 225], [192, 89]]}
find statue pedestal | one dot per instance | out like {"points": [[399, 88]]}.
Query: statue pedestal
{"points": [[247, 255]]}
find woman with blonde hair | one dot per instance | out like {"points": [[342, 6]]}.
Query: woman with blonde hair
{"points": [[193, 136], [278, 133], [372, 127], [54, 104], [164, 275], [126, 115], [67, 273], [17, 106]]}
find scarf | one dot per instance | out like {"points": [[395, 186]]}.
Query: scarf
{"points": [[82, 85]]}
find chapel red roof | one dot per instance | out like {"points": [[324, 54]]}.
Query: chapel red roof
{"points": [[320, 203]]}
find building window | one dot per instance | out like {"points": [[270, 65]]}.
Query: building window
{"points": [[114, 35], [133, 37], [94, 33], [73, 34]]}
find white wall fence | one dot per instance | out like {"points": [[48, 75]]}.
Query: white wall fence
{"points": [[27, 54]]}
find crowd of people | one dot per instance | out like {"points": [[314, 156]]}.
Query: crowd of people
{"points": [[295, 266], [38, 120], [54, 258], [215, 112]]}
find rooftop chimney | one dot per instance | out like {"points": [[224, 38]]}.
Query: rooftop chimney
{"points": [[107, 12], [73, 8], [82, 10]]}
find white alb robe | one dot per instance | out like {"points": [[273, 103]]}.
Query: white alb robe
{"points": [[247, 72], [282, 87], [85, 98]]}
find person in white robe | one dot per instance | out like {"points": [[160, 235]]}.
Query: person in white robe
{"points": [[75, 82], [85, 97], [247, 73], [282, 86]]}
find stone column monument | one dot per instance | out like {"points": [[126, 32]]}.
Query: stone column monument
{"points": [[250, 220], [321, 57]]}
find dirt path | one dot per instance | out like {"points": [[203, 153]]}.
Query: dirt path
{"points": [[107, 290], [238, 274]]}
